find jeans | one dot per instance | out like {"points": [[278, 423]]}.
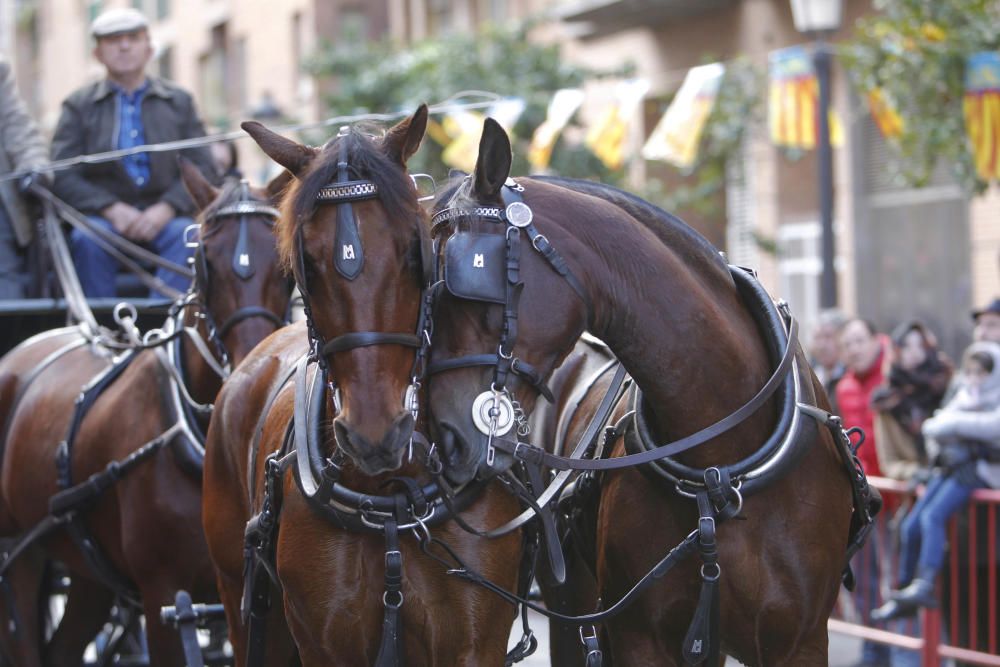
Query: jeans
{"points": [[12, 276], [922, 533], [97, 269]]}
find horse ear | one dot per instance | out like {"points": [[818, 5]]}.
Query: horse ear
{"points": [[277, 186], [493, 164], [403, 139], [291, 155], [202, 192]]}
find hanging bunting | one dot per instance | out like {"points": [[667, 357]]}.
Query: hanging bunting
{"points": [[676, 137], [562, 107], [888, 120], [981, 107], [464, 128], [794, 101], [607, 137]]}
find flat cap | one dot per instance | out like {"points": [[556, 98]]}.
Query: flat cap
{"points": [[118, 20]]}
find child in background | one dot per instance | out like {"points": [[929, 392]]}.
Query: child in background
{"points": [[963, 440]]}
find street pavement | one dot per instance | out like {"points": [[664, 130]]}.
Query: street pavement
{"points": [[844, 651]]}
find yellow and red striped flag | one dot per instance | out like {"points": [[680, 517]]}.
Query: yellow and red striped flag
{"points": [[607, 137], [676, 137], [794, 101], [982, 112]]}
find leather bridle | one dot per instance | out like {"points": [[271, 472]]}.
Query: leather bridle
{"points": [[242, 265], [495, 410], [348, 261]]}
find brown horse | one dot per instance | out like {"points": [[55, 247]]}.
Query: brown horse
{"points": [[147, 525], [678, 319], [355, 237]]}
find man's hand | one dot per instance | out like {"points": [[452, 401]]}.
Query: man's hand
{"points": [[152, 220], [123, 218]]}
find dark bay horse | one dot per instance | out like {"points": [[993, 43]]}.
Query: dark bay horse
{"points": [[678, 319], [147, 526], [355, 237]]}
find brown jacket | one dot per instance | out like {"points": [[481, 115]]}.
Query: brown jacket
{"points": [[21, 148], [89, 124]]}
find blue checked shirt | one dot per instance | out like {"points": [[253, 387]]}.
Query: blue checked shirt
{"points": [[131, 133]]}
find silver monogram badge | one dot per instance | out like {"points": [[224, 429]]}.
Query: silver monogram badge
{"points": [[244, 259], [519, 214], [477, 261], [348, 251]]}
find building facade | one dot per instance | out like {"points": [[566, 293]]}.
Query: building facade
{"points": [[931, 253], [240, 58]]}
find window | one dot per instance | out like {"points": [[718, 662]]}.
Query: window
{"points": [[165, 63], [799, 269], [214, 78], [440, 16]]}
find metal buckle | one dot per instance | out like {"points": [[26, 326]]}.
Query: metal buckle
{"points": [[188, 242]]}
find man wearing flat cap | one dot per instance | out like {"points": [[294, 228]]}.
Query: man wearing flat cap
{"points": [[140, 196]]}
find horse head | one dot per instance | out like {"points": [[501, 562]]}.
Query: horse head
{"points": [[354, 236], [507, 315], [238, 280]]}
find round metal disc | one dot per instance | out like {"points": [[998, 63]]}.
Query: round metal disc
{"points": [[519, 214], [481, 416], [410, 401]]}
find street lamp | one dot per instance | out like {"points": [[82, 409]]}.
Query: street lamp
{"points": [[818, 18]]}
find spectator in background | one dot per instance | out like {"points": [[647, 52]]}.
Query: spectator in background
{"points": [[824, 351], [226, 159], [139, 197], [21, 149], [862, 352], [915, 384], [987, 322], [964, 441]]}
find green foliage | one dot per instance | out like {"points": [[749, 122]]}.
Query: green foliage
{"points": [[382, 76], [915, 51]]}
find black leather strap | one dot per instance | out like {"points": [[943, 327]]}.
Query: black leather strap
{"points": [[350, 341], [538, 456], [247, 313]]}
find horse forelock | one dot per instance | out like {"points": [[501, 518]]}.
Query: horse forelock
{"points": [[366, 160]]}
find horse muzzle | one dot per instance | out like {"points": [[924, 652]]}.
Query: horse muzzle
{"points": [[373, 459]]}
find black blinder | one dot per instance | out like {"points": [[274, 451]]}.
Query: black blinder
{"points": [[475, 266], [241, 255]]}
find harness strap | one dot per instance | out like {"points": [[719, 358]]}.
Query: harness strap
{"points": [[247, 313], [390, 653], [539, 456], [350, 341], [518, 367]]}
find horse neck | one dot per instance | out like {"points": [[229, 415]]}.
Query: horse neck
{"points": [[673, 316], [203, 383]]}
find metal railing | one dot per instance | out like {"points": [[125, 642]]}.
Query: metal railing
{"points": [[965, 626]]}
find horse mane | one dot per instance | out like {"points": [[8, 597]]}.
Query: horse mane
{"points": [[366, 161], [668, 227], [228, 192]]}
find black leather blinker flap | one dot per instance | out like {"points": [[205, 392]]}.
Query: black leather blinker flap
{"points": [[475, 266], [242, 266], [349, 258]]}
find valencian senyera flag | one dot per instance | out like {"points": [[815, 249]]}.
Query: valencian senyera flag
{"points": [[794, 101], [982, 112], [464, 128], [607, 137], [676, 137], [884, 112], [562, 107]]}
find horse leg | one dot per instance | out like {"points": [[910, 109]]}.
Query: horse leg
{"points": [[20, 593], [88, 605]]}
